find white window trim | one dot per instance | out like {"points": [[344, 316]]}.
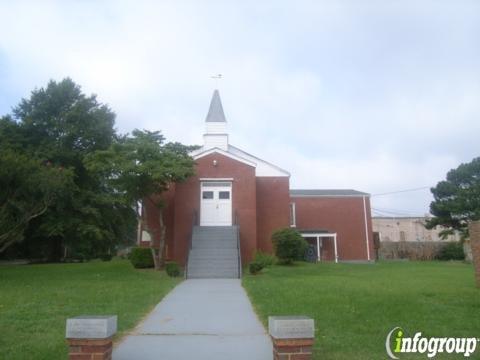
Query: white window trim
{"points": [[216, 179], [293, 220]]}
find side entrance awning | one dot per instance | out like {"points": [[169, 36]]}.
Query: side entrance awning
{"points": [[318, 234]]}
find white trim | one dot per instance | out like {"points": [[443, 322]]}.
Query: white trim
{"points": [[366, 227], [318, 248], [335, 244], [224, 153], [264, 168], [216, 179], [329, 196], [216, 134], [294, 215], [308, 234]]}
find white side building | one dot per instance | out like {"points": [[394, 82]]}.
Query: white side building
{"points": [[407, 229]]}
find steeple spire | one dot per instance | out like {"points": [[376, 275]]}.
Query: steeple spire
{"points": [[215, 112], [215, 125]]}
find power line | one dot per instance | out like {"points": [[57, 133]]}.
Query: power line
{"points": [[402, 191], [393, 210], [396, 213]]}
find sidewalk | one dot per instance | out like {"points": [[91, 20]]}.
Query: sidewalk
{"points": [[202, 319]]}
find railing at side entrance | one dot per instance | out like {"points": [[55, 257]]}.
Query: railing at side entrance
{"points": [[194, 223], [237, 225]]}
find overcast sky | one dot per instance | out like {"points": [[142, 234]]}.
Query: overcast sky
{"points": [[377, 96]]}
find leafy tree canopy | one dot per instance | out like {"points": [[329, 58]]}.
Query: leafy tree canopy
{"points": [[140, 166], [457, 199], [60, 126], [29, 188]]}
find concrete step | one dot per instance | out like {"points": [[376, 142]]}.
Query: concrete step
{"points": [[207, 237], [214, 244], [221, 264], [216, 261], [214, 253], [213, 275], [215, 228], [217, 272]]}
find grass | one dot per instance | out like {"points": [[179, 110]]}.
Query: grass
{"points": [[36, 300], [354, 306]]}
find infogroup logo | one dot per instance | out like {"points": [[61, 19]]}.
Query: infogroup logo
{"points": [[429, 346]]}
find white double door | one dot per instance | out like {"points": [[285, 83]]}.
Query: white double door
{"points": [[216, 203]]}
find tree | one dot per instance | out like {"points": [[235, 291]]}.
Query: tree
{"points": [[29, 188], [141, 167], [60, 125], [457, 199]]}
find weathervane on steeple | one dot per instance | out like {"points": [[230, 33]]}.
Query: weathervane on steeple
{"points": [[216, 78]]}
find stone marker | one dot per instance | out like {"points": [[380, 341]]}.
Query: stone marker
{"points": [[90, 337], [292, 337], [474, 230]]}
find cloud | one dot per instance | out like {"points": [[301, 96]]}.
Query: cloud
{"points": [[374, 95]]}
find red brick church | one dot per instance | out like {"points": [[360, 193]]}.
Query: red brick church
{"points": [[234, 192]]}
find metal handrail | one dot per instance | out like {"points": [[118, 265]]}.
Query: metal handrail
{"points": [[194, 222], [238, 246]]}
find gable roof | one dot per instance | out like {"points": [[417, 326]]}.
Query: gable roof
{"points": [[264, 168], [215, 112], [326, 193], [203, 152]]}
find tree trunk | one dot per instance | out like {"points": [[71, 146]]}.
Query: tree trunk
{"points": [[161, 245], [156, 258], [157, 252]]}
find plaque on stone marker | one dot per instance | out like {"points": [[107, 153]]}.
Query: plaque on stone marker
{"points": [[91, 327], [290, 327]]}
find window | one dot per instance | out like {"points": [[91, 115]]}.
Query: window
{"points": [[146, 236], [207, 194], [224, 195], [293, 220]]}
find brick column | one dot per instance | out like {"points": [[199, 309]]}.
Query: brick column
{"points": [[90, 349], [292, 349], [474, 229], [292, 337], [90, 337]]}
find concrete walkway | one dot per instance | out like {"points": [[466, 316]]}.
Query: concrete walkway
{"points": [[199, 319]]}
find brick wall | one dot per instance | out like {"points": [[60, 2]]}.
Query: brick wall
{"points": [[474, 229], [342, 215], [273, 209], [187, 202]]}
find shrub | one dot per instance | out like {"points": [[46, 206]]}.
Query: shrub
{"points": [[172, 269], [289, 245], [141, 258], [255, 267], [452, 251], [265, 259], [105, 257]]}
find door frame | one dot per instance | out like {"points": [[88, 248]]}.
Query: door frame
{"points": [[218, 180]]}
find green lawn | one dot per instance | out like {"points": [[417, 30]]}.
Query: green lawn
{"points": [[35, 301], [355, 306]]}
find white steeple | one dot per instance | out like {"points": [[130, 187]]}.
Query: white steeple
{"points": [[216, 125]]}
